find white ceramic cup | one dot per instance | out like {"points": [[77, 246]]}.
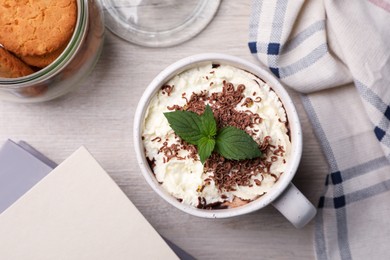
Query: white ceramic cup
{"points": [[284, 196]]}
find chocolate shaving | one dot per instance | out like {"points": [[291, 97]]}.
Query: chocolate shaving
{"points": [[201, 203], [274, 176], [171, 151], [151, 162], [167, 89], [174, 107], [248, 102], [183, 95], [279, 151], [158, 139]]}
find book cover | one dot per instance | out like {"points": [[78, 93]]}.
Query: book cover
{"points": [[78, 212]]}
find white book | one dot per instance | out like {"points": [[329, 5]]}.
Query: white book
{"points": [[78, 212]]}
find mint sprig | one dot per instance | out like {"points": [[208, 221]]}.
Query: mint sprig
{"points": [[201, 130]]}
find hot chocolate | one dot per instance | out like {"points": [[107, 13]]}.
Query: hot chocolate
{"points": [[237, 98]]}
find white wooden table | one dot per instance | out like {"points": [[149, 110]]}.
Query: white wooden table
{"points": [[100, 114]]}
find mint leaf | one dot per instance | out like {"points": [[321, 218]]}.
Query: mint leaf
{"points": [[187, 125], [209, 125], [205, 148], [235, 144]]}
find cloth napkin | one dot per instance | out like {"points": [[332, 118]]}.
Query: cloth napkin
{"points": [[337, 54]]}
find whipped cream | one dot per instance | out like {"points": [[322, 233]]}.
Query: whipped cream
{"points": [[183, 175]]}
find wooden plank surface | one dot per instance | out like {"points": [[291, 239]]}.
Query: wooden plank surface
{"points": [[100, 113]]}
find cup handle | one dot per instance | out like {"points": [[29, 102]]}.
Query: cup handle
{"points": [[295, 206]]}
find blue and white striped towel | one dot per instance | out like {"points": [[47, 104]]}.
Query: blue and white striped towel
{"points": [[337, 54]]}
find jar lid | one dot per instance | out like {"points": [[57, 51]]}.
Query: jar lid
{"points": [[158, 23]]}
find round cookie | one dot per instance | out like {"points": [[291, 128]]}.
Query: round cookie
{"points": [[12, 67], [41, 61], [37, 27]]}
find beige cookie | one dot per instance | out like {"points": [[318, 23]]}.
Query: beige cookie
{"points": [[12, 67], [42, 61], [36, 27]]}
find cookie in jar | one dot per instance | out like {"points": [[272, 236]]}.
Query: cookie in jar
{"points": [[53, 45]]}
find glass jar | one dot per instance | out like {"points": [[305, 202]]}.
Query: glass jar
{"points": [[74, 63], [158, 23]]}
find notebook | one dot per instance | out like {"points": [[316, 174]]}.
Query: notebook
{"points": [[78, 212], [21, 167]]}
